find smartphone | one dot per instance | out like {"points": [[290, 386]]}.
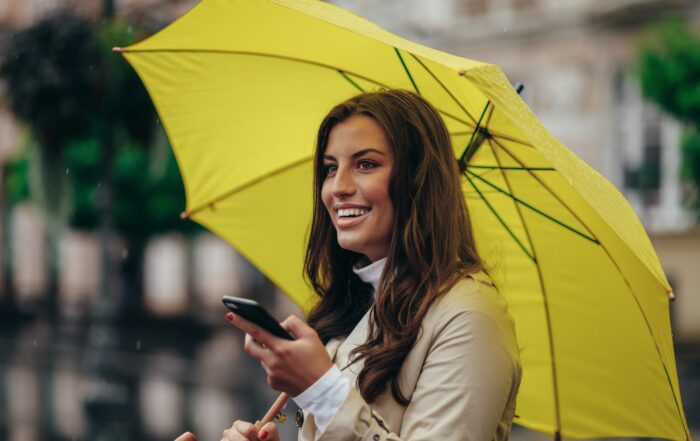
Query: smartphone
{"points": [[254, 312]]}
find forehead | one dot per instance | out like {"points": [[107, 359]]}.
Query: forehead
{"points": [[356, 133]]}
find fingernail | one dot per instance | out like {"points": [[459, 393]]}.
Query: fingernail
{"points": [[263, 434], [229, 316]]}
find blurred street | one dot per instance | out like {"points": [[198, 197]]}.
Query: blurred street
{"points": [[110, 304]]}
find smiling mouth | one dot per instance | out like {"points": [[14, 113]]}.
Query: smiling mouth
{"points": [[349, 213]]}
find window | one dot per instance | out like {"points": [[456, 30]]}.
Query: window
{"points": [[473, 7]]}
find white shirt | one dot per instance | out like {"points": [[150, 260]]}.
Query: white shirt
{"points": [[323, 398]]}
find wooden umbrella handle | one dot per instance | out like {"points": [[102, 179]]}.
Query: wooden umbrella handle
{"points": [[274, 410]]}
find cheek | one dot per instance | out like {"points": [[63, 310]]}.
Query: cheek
{"points": [[379, 195], [326, 198], [381, 198]]}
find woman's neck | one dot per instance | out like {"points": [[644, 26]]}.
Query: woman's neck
{"points": [[369, 272]]}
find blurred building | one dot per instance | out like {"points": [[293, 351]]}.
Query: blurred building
{"points": [[182, 364]]}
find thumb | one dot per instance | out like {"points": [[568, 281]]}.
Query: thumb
{"points": [[269, 432], [297, 327], [187, 436]]}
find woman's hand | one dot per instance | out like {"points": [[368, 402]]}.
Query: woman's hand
{"points": [[241, 431], [291, 366], [187, 436], [245, 431]]}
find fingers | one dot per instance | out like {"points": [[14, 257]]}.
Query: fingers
{"points": [[254, 349], [259, 334], [240, 430], [269, 432], [187, 436], [297, 327]]}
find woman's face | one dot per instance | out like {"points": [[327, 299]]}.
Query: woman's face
{"points": [[357, 163]]}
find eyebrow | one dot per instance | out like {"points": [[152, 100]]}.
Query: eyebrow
{"points": [[358, 153]]}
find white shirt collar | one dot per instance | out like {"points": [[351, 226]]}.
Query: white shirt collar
{"points": [[369, 273]]}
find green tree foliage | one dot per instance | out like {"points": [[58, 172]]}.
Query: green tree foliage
{"points": [[51, 76], [67, 85], [18, 179], [669, 71]]}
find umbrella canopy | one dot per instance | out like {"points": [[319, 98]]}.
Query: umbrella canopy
{"points": [[241, 87]]}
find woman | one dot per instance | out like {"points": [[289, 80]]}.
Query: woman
{"points": [[418, 342]]}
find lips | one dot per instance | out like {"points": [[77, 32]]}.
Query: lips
{"points": [[352, 212], [354, 217]]}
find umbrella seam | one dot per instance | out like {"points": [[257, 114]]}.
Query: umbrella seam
{"points": [[493, 167], [376, 38], [211, 203], [405, 68], [437, 80], [314, 63], [464, 158], [495, 213], [630, 290], [522, 164], [555, 380], [533, 208], [350, 80]]}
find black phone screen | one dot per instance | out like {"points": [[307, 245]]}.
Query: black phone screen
{"points": [[254, 312]]}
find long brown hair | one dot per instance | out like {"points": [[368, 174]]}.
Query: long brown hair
{"points": [[431, 248]]}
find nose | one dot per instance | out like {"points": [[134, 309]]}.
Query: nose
{"points": [[343, 183]]}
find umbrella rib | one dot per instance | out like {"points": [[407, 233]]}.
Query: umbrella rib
{"points": [[496, 135], [511, 139], [408, 72], [503, 223], [298, 60], [545, 300], [546, 187], [454, 98], [629, 288], [656, 345], [536, 210], [464, 159], [351, 81], [517, 206], [212, 203], [493, 167]]}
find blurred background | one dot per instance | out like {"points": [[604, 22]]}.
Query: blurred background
{"points": [[111, 324]]}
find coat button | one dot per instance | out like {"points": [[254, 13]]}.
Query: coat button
{"points": [[299, 418]]}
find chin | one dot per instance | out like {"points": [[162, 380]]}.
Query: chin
{"points": [[350, 246]]}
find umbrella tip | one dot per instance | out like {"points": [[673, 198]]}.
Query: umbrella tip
{"points": [[671, 296], [118, 50], [185, 215]]}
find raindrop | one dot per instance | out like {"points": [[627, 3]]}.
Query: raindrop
{"points": [[99, 184], [505, 28], [157, 120], [67, 171], [138, 345], [34, 343], [125, 253]]}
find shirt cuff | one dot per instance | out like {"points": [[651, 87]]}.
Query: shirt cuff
{"points": [[323, 398]]}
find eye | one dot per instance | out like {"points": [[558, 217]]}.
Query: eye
{"points": [[329, 169], [365, 164]]}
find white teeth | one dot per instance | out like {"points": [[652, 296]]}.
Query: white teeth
{"points": [[352, 212]]}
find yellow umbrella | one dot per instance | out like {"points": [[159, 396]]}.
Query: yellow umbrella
{"points": [[241, 87]]}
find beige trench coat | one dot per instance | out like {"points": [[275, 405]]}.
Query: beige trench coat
{"points": [[462, 375]]}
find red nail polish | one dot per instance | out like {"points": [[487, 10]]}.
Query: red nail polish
{"points": [[229, 316], [263, 434]]}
